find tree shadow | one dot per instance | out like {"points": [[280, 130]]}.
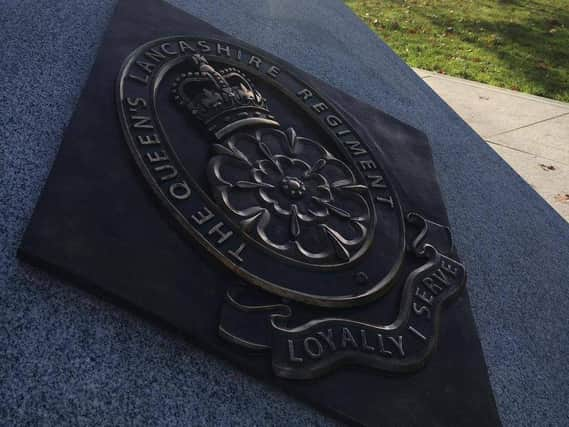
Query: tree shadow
{"points": [[541, 63], [533, 46]]}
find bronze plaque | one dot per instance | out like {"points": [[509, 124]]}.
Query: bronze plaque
{"points": [[283, 224]]}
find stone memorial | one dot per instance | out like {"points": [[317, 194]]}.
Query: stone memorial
{"points": [[208, 186]]}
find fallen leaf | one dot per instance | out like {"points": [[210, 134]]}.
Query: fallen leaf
{"points": [[547, 167]]}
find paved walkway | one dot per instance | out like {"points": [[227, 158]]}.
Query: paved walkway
{"points": [[530, 133]]}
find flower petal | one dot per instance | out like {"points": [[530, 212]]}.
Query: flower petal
{"points": [[238, 201], [352, 202], [337, 172], [310, 151], [246, 144], [274, 230], [226, 170], [275, 139], [312, 244]]}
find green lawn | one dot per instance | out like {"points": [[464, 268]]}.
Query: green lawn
{"points": [[517, 44]]}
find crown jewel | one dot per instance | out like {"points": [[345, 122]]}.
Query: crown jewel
{"points": [[223, 100]]}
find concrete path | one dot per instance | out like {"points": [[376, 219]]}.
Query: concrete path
{"points": [[530, 133]]}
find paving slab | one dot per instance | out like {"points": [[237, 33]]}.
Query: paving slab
{"points": [[530, 133], [548, 139], [489, 110]]}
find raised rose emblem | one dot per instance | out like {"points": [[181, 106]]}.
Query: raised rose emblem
{"points": [[291, 193]]}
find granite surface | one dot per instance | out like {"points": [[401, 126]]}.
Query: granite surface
{"points": [[69, 357]]}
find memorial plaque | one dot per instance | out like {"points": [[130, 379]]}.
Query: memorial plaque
{"points": [[279, 222]]}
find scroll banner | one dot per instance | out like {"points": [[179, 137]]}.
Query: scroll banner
{"points": [[319, 346]]}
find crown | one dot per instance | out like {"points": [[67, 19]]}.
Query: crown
{"points": [[223, 100]]}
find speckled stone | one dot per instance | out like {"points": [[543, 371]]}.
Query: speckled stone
{"points": [[67, 357]]}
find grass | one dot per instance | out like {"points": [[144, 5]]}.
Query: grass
{"points": [[516, 44]]}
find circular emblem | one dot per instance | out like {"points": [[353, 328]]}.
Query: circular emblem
{"points": [[261, 170]]}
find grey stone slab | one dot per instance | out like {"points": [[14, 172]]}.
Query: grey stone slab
{"points": [[548, 139], [69, 358], [490, 111]]}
